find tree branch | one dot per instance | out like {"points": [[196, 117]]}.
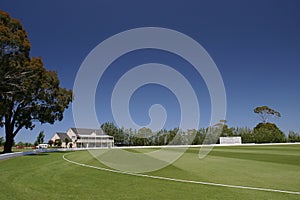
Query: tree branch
{"points": [[17, 130]]}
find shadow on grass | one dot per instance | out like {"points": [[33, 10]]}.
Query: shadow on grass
{"points": [[37, 154], [46, 153]]}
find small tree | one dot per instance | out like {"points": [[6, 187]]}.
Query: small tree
{"points": [[67, 141], [20, 144], [28, 144], [40, 138], [293, 137], [226, 131], [246, 134], [50, 142], [57, 142], [265, 112]]}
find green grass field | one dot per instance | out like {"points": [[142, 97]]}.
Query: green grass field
{"points": [[49, 176]]}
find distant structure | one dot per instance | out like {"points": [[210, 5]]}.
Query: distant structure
{"points": [[42, 146], [84, 138], [230, 140]]}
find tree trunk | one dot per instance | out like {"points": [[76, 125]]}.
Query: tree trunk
{"points": [[9, 141]]}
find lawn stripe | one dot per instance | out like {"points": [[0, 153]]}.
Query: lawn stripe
{"points": [[182, 180]]}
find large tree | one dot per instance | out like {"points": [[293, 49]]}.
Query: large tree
{"points": [[28, 92], [266, 132], [265, 112]]}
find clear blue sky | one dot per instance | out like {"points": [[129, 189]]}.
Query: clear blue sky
{"points": [[255, 44]]}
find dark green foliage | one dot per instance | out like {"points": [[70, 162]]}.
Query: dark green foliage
{"points": [[265, 112], [40, 138], [50, 142], [262, 133], [268, 133], [67, 141], [199, 137], [57, 142], [20, 144], [226, 131], [28, 92], [246, 134], [28, 144], [112, 130], [293, 137], [1, 141]]}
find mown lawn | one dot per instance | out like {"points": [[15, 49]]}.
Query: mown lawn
{"points": [[48, 176]]}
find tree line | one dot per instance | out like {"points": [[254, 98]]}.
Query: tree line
{"points": [[263, 132], [269, 133]]}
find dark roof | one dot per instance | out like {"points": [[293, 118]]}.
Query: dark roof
{"points": [[63, 136], [87, 131]]}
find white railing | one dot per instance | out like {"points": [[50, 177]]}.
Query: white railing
{"points": [[94, 140]]}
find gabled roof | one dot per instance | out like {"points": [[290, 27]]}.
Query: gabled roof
{"points": [[87, 131], [63, 136]]}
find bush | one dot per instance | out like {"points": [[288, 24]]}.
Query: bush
{"points": [[293, 137], [268, 133]]}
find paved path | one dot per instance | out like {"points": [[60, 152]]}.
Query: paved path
{"points": [[17, 154], [23, 153]]}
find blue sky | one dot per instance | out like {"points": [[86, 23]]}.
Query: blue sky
{"points": [[255, 45]]}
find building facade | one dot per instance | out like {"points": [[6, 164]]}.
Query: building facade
{"points": [[84, 138]]}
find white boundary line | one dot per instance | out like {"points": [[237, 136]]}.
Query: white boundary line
{"points": [[181, 180]]}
